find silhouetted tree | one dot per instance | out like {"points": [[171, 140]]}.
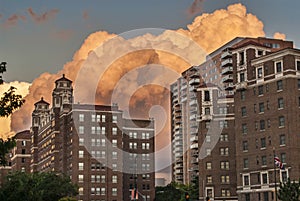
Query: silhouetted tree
{"points": [[9, 102]]}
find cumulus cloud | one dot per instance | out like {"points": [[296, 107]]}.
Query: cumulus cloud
{"points": [[22, 89], [113, 57], [279, 35], [44, 17]]}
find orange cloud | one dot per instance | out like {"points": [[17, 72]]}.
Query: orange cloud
{"points": [[168, 49], [279, 35], [13, 20], [195, 8], [44, 17]]}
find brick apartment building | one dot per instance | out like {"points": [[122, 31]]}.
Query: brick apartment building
{"points": [[105, 154], [247, 99]]}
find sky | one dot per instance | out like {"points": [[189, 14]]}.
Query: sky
{"points": [[41, 38], [32, 45]]}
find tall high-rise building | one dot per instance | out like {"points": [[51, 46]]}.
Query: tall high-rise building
{"points": [[212, 150], [107, 155]]}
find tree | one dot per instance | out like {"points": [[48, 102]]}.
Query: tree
{"points": [[43, 186], [9, 102], [289, 191], [67, 199], [171, 192]]}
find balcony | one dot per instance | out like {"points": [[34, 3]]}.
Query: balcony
{"points": [[193, 102], [193, 117], [194, 146], [205, 117], [227, 78], [227, 62], [228, 86], [195, 161], [226, 54], [194, 81], [227, 70], [194, 139], [178, 115], [241, 85]]}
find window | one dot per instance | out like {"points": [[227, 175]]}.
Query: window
{"points": [[103, 142], [80, 154], [246, 163], [244, 128], [81, 130], [225, 192], [224, 151], [224, 137], [132, 145], [284, 175], [242, 58], [254, 108], [283, 157], [23, 160], [114, 143], [207, 111], [103, 130], [223, 124], [264, 178], [244, 112], [225, 179], [242, 77], [93, 117], [208, 138], [247, 197], [281, 121], [245, 145], [208, 165], [23, 143], [267, 87], [206, 96], [246, 180], [103, 191], [208, 151], [264, 160], [23, 151], [298, 65], [114, 191], [114, 131], [103, 178], [80, 166], [103, 118], [243, 94], [114, 155], [280, 103], [260, 90], [146, 145], [282, 139], [209, 192], [266, 196], [262, 125], [263, 142], [279, 85], [81, 141], [209, 179], [261, 107], [114, 119], [114, 179], [80, 178], [298, 83], [81, 117], [207, 124], [259, 72], [278, 66], [224, 165]]}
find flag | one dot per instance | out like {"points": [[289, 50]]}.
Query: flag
{"points": [[278, 163], [134, 192]]}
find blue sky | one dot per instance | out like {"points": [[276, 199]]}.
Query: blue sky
{"points": [[33, 46]]}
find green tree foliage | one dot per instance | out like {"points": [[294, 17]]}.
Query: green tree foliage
{"points": [[171, 192], [9, 102], [67, 199], [43, 186], [5, 146], [176, 192], [289, 191]]}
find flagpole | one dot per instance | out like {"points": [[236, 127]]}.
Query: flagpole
{"points": [[275, 173]]}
